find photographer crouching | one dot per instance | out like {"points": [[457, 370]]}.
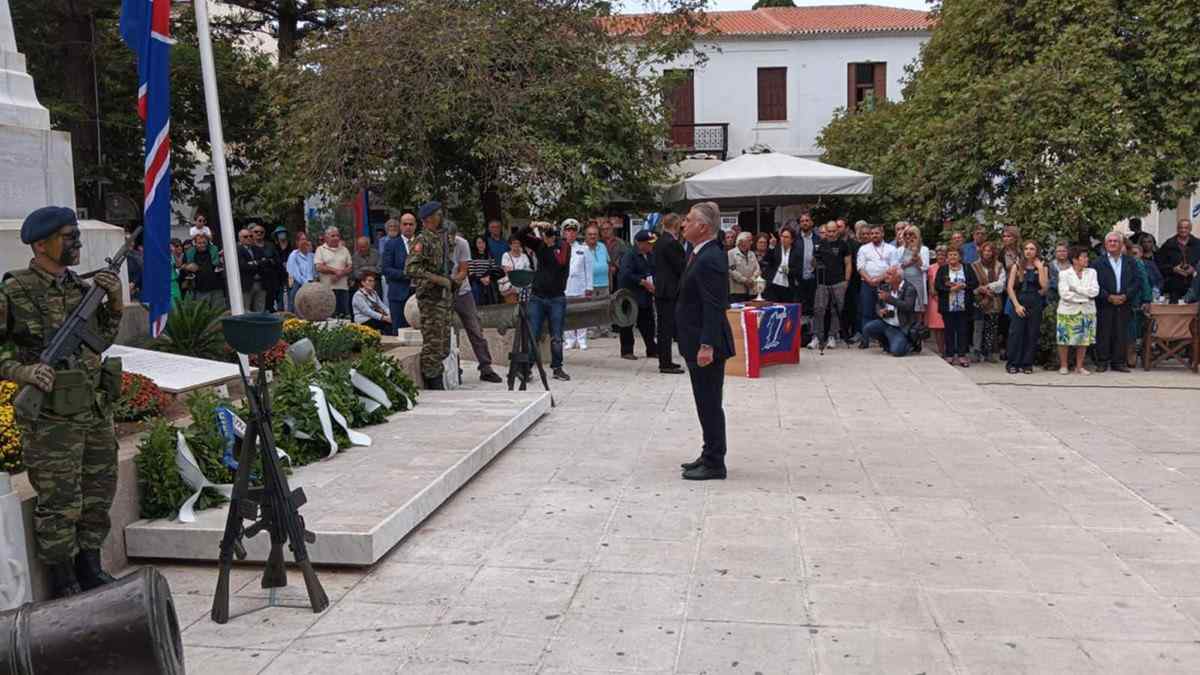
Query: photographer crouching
{"points": [[896, 328]]}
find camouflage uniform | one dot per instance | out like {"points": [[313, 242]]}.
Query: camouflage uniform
{"points": [[71, 460], [429, 260]]}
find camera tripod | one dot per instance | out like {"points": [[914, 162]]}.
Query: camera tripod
{"points": [[525, 353]]}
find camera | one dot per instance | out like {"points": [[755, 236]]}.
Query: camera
{"points": [[885, 287]]}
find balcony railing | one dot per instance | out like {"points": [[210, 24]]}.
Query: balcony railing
{"points": [[711, 138]]}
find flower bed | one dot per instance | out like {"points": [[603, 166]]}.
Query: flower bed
{"points": [[296, 425], [140, 399], [10, 435]]}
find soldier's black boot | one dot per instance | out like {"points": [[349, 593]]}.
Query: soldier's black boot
{"points": [[88, 570], [62, 580], [434, 384]]}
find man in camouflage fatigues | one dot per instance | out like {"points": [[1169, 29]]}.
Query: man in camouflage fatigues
{"points": [[70, 448], [429, 267]]}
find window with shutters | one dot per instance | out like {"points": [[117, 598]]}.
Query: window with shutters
{"points": [[772, 94], [865, 81]]}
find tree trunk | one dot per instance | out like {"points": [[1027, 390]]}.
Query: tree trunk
{"points": [[489, 199], [79, 92], [289, 30]]}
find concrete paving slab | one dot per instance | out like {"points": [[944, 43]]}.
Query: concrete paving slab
{"points": [[362, 501], [967, 533]]}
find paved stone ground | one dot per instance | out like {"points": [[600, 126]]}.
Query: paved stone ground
{"points": [[882, 515]]}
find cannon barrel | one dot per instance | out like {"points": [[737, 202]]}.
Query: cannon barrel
{"points": [[618, 309], [124, 628]]}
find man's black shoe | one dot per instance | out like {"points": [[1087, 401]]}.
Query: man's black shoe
{"points": [[434, 384], [1101, 367], [673, 369], [629, 357], [704, 472], [694, 464], [489, 375], [864, 344], [560, 374], [1120, 368]]}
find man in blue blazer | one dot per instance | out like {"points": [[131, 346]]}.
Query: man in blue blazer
{"points": [[395, 254], [1118, 278], [705, 340]]}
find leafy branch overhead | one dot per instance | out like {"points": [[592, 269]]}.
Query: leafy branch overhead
{"points": [[1075, 116], [532, 98]]}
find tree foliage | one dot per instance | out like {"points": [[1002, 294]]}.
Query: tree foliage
{"points": [[773, 3], [529, 101], [1074, 116], [62, 72]]}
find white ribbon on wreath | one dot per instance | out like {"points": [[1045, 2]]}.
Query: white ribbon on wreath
{"points": [[190, 472]]}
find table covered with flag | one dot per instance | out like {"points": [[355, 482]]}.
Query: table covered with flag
{"points": [[764, 334]]}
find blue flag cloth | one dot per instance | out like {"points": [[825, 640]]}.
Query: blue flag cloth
{"points": [[146, 29], [227, 424]]}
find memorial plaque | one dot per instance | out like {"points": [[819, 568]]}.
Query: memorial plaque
{"points": [[173, 373]]}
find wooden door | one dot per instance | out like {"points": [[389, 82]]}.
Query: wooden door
{"points": [[682, 100]]}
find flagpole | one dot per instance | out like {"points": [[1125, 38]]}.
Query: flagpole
{"points": [[212, 104]]}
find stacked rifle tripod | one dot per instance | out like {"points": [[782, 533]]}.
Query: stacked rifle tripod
{"points": [[271, 507]]}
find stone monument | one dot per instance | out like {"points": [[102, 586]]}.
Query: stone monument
{"points": [[36, 168]]}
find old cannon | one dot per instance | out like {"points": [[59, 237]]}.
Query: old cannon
{"points": [[125, 628], [618, 309]]}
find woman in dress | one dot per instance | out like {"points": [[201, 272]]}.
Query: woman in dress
{"points": [[1075, 320], [933, 317], [482, 271], [914, 263], [955, 284], [1028, 283]]}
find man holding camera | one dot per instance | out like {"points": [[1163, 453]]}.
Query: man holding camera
{"points": [[895, 302], [832, 265], [547, 299]]}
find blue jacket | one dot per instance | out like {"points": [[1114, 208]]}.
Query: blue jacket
{"points": [[394, 256], [700, 309], [635, 267]]}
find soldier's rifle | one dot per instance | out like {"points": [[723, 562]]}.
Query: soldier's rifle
{"points": [[74, 334], [275, 506]]}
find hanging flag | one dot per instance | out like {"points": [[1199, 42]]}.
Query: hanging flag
{"points": [[362, 211], [146, 29]]}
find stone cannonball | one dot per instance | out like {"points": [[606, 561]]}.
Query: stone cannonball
{"points": [[412, 313], [315, 302]]}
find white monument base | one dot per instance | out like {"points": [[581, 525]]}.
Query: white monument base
{"points": [[16, 588], [35, 170]]}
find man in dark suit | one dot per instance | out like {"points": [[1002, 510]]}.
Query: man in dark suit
{"points": [[704, 336], [636, 273], [395, 255], [668, 267], [1117, 275]]}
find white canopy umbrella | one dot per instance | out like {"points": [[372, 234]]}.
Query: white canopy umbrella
{"points": [[772, 176]]}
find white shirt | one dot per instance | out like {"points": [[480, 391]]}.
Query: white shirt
{"points": [[875, 260], [781, 274], [808, 241], [197, 230], [581, 278], [461, 255], [1116, 267]]}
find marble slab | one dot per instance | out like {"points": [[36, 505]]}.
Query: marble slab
{"points": [[364, 501], [174, 373]]}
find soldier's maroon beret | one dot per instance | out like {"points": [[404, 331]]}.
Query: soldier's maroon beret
{"points": [[44, 222]]}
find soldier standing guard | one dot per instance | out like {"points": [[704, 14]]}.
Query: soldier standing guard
{"points": [[70, 449], [429, 268]]}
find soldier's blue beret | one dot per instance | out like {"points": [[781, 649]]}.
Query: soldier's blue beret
{"points": [[44, 222], [428, 209], [645, 235]]}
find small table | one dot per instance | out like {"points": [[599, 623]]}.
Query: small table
{"points": [[1171, 329], [764, 334]]}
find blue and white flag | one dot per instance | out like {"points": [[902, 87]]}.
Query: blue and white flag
{"points": [[146, 29]]}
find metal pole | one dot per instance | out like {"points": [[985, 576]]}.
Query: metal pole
{"points": [[757, 216], [212, 104]]}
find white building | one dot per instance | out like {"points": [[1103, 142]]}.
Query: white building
{"points": [[775, 76]]}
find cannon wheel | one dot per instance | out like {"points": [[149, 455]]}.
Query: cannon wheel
{"points": [[624, 308]]}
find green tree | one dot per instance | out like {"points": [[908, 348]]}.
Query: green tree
{"points": [[101, 112], [773, 3], [1073, 117], [524, 102], [288, 21]]}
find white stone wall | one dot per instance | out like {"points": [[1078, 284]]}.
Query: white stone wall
{"points": [[726, 87]]}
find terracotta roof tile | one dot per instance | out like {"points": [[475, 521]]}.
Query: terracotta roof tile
{"points": [[804, 20]]}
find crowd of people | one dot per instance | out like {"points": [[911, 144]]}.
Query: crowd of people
{"points": [[982, 296]]}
